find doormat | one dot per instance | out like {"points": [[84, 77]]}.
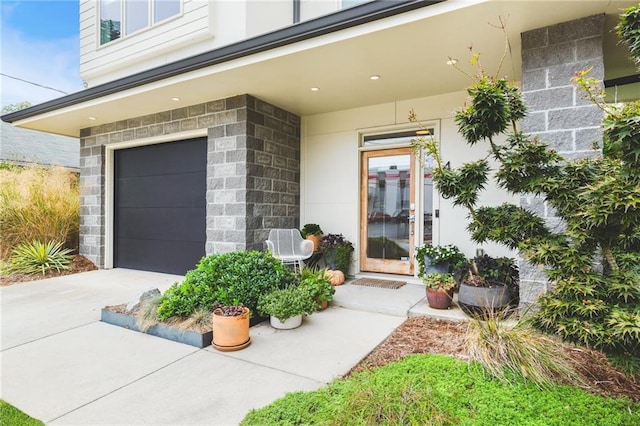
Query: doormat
{"points": [[373, 282]]}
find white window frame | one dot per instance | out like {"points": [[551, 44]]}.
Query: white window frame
{"points": [[123, 25]]}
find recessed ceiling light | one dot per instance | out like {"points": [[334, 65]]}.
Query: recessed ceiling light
{"points": [[452, 61], [315, 89], [92, 118], [423, 132], [175, 99], [374, 77]]}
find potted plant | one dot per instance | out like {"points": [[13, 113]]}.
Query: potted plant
{"points": [[439, 289], [337, 252], [286, 306], [488, 284], [317, 282], [312, 232], [438, 258], [230, 326]]}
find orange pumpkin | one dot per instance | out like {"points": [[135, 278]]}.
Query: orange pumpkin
{"points": [[335, 277]]}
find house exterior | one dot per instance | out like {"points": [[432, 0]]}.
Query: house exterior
{"points": [[22, 146], [207, 123]]}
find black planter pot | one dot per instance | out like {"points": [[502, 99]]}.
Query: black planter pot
{"points": [[475, 301]]}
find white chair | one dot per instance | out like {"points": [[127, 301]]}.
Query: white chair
{"points": [[288, 246]]}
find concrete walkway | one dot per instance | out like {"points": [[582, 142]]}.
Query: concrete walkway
{"points": [[60, 364]]}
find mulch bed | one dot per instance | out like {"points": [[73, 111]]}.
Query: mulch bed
{"points": [[79, 264]]}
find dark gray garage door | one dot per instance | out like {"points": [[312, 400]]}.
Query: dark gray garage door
{"points": [[160, 202]]}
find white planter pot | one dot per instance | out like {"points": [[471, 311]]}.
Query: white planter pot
{"points": [[290, 323]]}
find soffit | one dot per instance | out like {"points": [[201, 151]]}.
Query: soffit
{"points": [[408, 51]]}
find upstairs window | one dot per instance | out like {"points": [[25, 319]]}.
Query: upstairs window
{"points": [[119, 18]]}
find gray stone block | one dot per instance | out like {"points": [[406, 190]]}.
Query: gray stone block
{"points": [[551, 55], [215, 106], [134, 122], [235, 156], [561, 74], [534, 122], [195, 110], [576, 30], [573, 118], [128, 135], [535, 38], [234, 236], [590, 48], [109, 127], [148, 120], [234, 129], [539, 100], [264, 133], [585, 138], [234, 102], [188, 124], [561, 141], [226, 117], [531, 290], [208, 120], [156, 129], [142, 132], [179, 114]]}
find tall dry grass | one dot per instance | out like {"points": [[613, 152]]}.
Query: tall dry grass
{"points": [[509, 350], [38, 203]]}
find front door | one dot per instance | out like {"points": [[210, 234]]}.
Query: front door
{"points": [[387, 211]]}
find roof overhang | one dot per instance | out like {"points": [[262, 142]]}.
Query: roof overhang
{"points": [[406, 43]]}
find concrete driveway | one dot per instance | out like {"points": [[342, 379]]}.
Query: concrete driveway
{"points": [[60, 364]]}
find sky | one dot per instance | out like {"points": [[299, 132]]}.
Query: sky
{"points": [[39, 42]]}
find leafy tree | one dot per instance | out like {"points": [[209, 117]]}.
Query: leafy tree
{"points": [[15, 107], [593, 263]]}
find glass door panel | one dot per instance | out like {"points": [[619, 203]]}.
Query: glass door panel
{"points": [[387, 219]]}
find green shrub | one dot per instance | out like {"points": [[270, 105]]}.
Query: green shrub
{"points": [[38, 204], [229, 279], [287, 303], [317, 283], [36, 256], [440, 390]]}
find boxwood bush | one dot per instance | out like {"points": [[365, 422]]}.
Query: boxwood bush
{"points": [[230, 278]]}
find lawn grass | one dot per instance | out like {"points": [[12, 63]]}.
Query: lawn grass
{"points": [[11, 416], [441, 390]]}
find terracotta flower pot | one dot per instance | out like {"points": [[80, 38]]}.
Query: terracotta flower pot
{"points": [[438, 298], [323, 305], [231, 333], [316, 241]]}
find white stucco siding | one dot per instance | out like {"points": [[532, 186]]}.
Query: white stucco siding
{"points": [[330, 175], [267, 15]]}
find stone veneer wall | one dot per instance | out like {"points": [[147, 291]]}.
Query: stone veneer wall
{"points": [[253, 174], [558, 114]]}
